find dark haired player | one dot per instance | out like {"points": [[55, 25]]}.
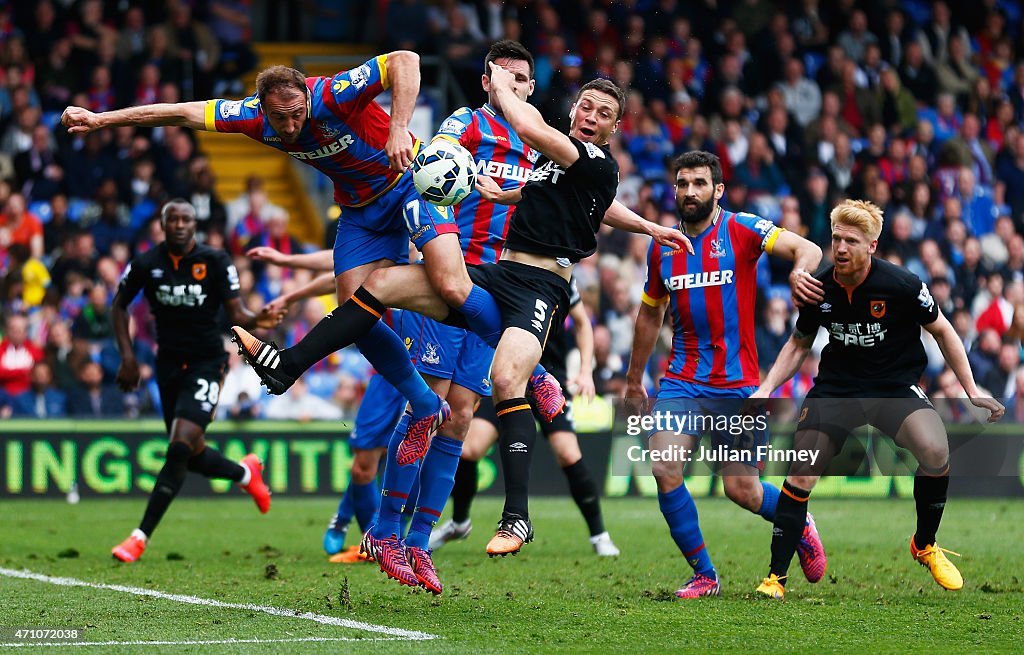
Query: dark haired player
{"points": [[873, 312], [186, 285], [713, 365]]}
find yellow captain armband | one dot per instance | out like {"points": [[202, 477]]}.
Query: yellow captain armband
{"points": [[210, 116], [447, 137], [382, 61], [769, 241], [653, 302]]}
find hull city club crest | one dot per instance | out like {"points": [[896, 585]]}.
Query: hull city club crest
{"points": [[878, 308]]}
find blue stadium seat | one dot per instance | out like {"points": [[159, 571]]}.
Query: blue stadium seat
{"points": [[50, 119], [42, 209], [76, 207], [813, 62]]}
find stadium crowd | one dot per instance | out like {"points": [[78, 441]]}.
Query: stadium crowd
{"points": [[914, 105]]}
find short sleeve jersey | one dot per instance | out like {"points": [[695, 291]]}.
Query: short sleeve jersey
{"points": [[874, 329], [186, 296], [344, 137], [499, 154], [562, 208], [712, 295]]}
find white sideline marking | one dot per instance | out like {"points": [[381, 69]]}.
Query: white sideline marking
{"points": [[204, 642], [209, 602]]}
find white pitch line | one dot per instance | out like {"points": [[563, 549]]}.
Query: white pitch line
{"points": [[209, 602], [204, 642]]}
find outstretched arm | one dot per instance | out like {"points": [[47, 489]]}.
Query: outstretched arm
{"points": [[79, 120], [622, 217], [953, 351], [786, 364], [403, 69], [239, 314], [321, 260]]}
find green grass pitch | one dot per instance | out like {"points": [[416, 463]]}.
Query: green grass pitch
{"points": [[554, 597]]}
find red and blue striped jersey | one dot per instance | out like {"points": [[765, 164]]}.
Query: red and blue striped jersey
{"points": [[343, 138], [499, 154], [712, 294]]}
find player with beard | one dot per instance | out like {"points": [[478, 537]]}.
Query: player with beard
{"points": [[868, 375], [186, 285], [713, 365]]}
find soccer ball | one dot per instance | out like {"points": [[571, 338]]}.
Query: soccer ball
{"points": [[444, 173]]}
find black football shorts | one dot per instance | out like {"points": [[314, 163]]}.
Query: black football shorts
{"points": [[190, 389], [530, 298]]}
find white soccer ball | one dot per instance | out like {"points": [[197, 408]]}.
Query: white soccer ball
{"points": [[444, 173]]}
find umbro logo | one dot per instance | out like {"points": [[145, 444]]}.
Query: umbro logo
{"points": [[517, 447], [157, 273], [826, 307]]}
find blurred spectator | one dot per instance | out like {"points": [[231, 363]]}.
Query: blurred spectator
{"points": [[1015, 404], [94, 323], [195, 44], [42, 399], [231, 24], [38, 173], [18, 354], [772, 333], [87, 31], [300, 405], [1000, 380], [936, 35], [856, 37], [803, 97], [1011, 173], [92, 398], [609, 372], [918, 75], [896, 104], [896, 34], [758, 171], [984, 354], [405, 23], [18, 226], [956, 74], [240, 392]]}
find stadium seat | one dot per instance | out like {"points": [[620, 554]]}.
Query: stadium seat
{"points": [[76, 208], [42, 210]]}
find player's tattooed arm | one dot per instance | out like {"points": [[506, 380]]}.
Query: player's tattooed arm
{"points": [[956, 358], [79, 120], [786, 364], [622, 217], [528, 123]]}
